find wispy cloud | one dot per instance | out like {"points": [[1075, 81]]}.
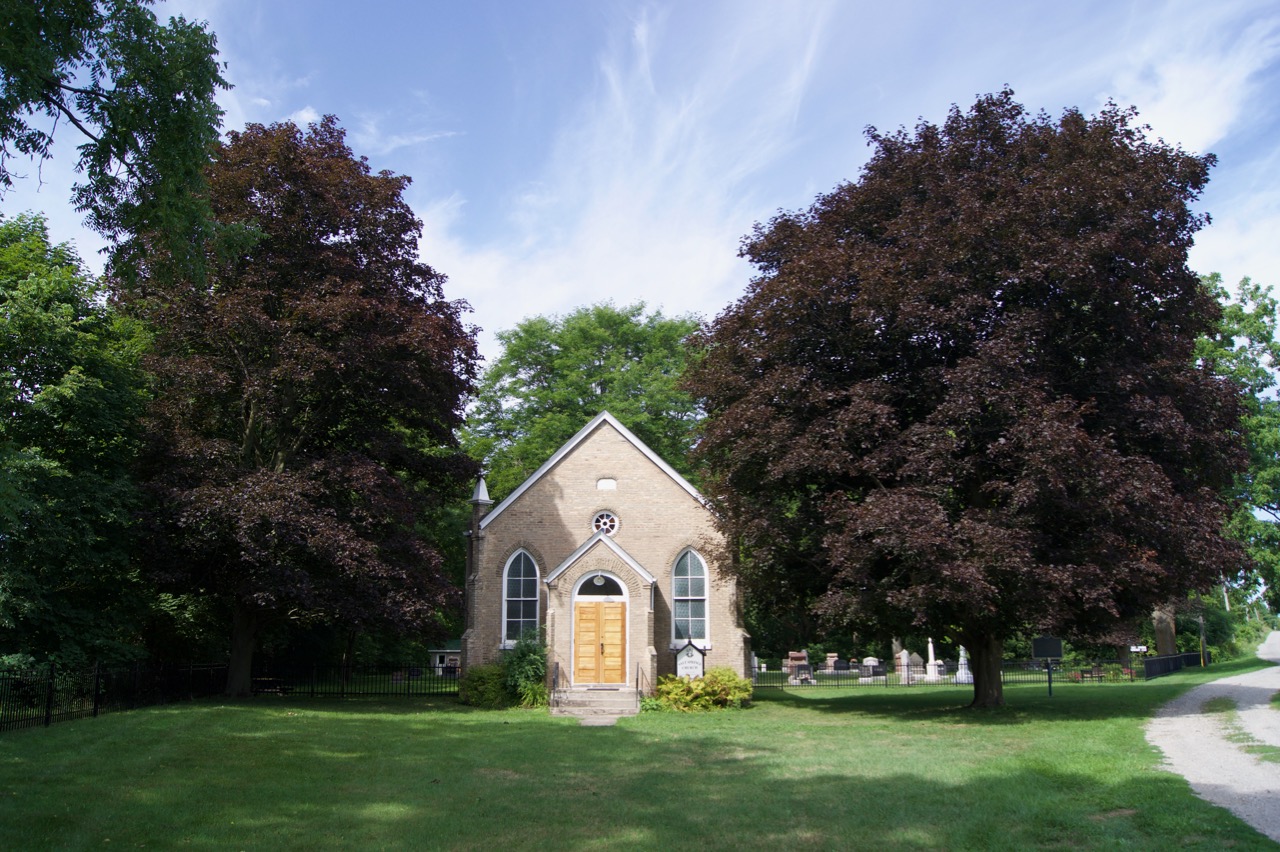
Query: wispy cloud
{"points": [[1196, 68], [371, 138], [648, 189], [1201, 74]]}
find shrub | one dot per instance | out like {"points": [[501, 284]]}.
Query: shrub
{"points": [[484, 686], [534, 695], [526, 670], [719, 688]]}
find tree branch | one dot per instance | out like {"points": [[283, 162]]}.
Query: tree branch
{"points": [[71, 116]]}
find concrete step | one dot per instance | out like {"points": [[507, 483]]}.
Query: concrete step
{"points": [[585, 703]]}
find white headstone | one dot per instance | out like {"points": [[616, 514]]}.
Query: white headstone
{"points": [[963, 675], [933, 669]]}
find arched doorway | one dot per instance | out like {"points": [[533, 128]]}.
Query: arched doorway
{"points": [[600, 630]]}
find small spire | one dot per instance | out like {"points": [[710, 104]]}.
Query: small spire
{"points": [[480, 496]]}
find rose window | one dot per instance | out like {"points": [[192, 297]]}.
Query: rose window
{"points": [[605, 522]]}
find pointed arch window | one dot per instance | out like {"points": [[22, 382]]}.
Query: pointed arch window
{"points": [[689, 599], [519, 597]]}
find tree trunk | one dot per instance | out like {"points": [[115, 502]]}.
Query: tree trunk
{"points": [[349, 658], [1163, 621], [244, 635], [986, 653]]}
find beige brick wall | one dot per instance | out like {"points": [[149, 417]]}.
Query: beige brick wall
{"points": [[658, 520]]}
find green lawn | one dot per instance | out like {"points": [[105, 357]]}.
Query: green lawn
{"points": [[815, 768]]}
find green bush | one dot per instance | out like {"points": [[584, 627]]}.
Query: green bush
{"points": [[526, 670], [534, 695], [484, 686], [719, 688], [519, 678]]}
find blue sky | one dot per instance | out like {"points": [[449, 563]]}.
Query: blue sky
{"points": [[563, 153]]}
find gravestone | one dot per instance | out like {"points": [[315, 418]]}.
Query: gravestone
{"points": [[963, 675], [803, 674], [870, 668], [796, 658], [932, 669]]}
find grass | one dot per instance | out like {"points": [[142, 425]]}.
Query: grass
{"points": [[1236, 733], [813, 768]]}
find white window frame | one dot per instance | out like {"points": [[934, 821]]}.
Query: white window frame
{"points": [[507, 641], [705, 597]]}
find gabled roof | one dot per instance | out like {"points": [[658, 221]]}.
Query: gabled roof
{"points": [[572, 444], [600, 537]]}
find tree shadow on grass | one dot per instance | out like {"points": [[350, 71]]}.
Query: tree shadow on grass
{"points": [[331, 778]]}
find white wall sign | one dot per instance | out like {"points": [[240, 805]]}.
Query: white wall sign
{"points": [[689, 661]]}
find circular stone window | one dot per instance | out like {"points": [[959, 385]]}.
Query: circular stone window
{"points": [[605, 522]]}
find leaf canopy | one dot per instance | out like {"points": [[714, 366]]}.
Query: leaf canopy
{"points": [[141, 96], [309, 391], [556, 373], [960, 394]]}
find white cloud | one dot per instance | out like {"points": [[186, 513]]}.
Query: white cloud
{"points": [[306, 115], [1242, 240], [370, 138], [649, 190], [1195, 71]]}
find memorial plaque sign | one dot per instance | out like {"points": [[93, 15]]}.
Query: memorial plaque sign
{"points": [[1049, 649], [1046, 648]]}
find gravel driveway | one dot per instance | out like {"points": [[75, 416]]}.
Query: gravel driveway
{"points": [[1209, 749]]}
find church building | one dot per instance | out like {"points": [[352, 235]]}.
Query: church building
{"points": [[613, 555]]}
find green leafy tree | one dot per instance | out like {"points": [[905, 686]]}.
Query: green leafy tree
{"points": [[308, 399], [71, 390], [1245, 349], [961, 395], [556, 373], [140, 96]]}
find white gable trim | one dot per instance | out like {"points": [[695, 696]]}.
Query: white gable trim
{"points": [[572, 444], [600, 538]]}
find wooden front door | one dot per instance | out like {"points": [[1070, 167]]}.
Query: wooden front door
{"points": [[600, 642]]}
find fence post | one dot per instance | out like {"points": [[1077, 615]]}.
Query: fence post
{"points": [[48, 696], [97, 684]]}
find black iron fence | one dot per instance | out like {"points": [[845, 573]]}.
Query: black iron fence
{"points": [[949, 674], [356, 680], [42, 695], [1154, 667]]}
